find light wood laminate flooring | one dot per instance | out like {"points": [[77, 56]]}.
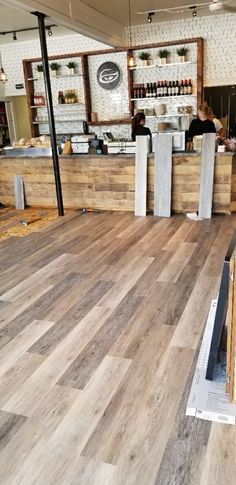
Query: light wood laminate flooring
{"points": [[101, 319]]}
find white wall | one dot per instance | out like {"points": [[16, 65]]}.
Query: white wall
{"points": [[13, 54], [218, 32]]}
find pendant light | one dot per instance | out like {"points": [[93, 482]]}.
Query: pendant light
{"points": [[130, 54], [3, 76]]}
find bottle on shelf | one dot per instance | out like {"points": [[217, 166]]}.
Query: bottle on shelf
{"points": [[165, 89], [185, 87], [190, 87], [181, 88], [177, 88], [39, 99], [169, 88], [61, 98]]}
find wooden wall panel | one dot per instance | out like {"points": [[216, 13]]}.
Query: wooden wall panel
{"points": [[108, 183]]}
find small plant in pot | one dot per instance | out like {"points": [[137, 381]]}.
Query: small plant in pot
{"points": [[182, 52], [39, 68], [163, 54], [71, 67], [144, 58], [55, 68]]}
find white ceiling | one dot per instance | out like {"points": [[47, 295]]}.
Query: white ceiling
{"points": [[13, 19]]}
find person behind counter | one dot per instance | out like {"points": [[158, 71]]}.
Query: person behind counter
{"points": [[220, 131], [202, 124], [138, 128]]}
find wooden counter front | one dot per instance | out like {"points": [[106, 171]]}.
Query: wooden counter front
{"points": [[107, 182]]}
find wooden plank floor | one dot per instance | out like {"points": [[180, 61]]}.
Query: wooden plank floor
{"points": [[100, 325]]}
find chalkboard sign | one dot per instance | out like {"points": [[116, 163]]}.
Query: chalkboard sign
{"points": [[109, 75]]}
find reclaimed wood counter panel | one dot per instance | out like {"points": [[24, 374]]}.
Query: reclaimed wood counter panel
{"points": [[107, 182]]}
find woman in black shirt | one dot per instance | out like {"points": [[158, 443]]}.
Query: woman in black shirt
{"points": [[138, 128], [202, 124]]}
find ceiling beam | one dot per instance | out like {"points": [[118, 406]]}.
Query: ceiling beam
{"points": [[77, 16]]}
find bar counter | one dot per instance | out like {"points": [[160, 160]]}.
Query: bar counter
{"points": [[108, 182]]}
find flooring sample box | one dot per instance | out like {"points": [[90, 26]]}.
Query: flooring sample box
{"points": [[162, 175]]}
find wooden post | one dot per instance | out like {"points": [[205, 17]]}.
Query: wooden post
{"points": [[207, 175], [162, 174], [141, 175]]}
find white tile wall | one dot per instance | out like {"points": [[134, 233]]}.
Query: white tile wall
{"points": [[219, 33], [112, 104]]}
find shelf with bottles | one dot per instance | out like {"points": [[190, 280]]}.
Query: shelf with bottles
{"points": [[162, 89], [67, 98]]}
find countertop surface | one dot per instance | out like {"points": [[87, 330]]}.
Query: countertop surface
{"points": [[31, 153]]}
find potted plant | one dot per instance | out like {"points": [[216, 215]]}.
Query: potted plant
{"points": [[39, 68], [144, 57], [55, 68], [182, 51], [71, 67], [163, 54]]}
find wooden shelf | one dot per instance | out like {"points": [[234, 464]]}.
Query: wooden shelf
{"points": [[152, 66], [110, 122], [57, 121], [58, 105], [169, 115], [55, 77], [180, 96]]}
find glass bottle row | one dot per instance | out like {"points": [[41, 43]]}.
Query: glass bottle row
{"points": [[162, 88]]}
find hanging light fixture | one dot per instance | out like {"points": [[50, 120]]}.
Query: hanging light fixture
{"points": [[49, 29], [149, 18], [130, 54], [3, 76]]}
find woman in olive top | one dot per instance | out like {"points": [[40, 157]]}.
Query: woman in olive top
{"points": [[138, 128], [201, 124]]}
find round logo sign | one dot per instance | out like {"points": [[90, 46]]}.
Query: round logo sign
{"points": [[109, 75]]}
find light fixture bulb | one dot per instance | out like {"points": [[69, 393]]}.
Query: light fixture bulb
{"points": [[194, 13], [131, 61], [14, 36], [149, 19], [3, 76], [49, 31]]}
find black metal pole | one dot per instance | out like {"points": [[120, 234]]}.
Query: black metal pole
{"points": [[51, 121]]}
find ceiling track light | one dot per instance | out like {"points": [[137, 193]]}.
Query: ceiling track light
{"points": [[29, 29], [150, 15], [194, 13], [49, 29]]}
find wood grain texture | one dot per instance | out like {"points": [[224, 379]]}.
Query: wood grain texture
{"points": [[141, 176], [96, 370], [207, 176], [162, 175], [108, 183]]}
